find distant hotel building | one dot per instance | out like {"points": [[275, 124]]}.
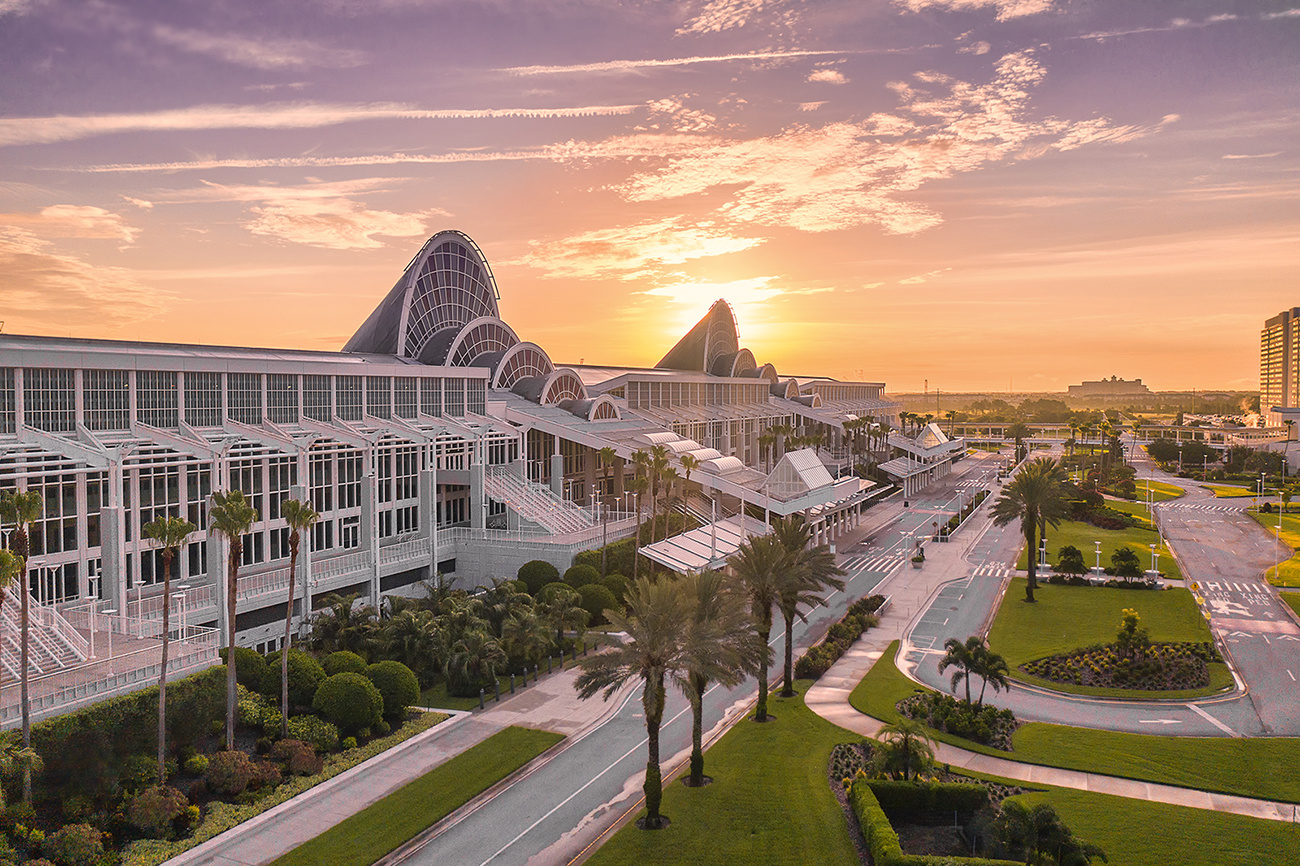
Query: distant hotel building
{"points": [[1279, 357], [436, 441], [1112, 387]]}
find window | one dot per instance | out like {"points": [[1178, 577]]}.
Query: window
{"points": [[322, 482], [476, 396], [283, 473], [106, 398], [451, 290], [454, 397], [8, 402], [405, 397], [316, 397], [379, 396], [282, 398], [198, 487], [203, 399], [246, 475], [347, 397], [49, 402], [350, 532], [155, 398], [431, 397], [55, 531], [244, 397], [349, 481]]}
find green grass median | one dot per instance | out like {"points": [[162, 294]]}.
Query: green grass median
{"points": [[1161, 491], [1084, 536], [1249, 767], [1228, 491], [1066, 618], [1288, 573], [363, 838], [770, 801]]}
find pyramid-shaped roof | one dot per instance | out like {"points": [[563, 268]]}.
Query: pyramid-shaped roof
{"points": [[798, 473]]}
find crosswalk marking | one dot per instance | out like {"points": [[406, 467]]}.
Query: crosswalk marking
{"points": [[992, 571], [884, 562], [1189, 506]]}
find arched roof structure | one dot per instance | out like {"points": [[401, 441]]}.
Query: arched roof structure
{"points": [[563, 384], [602, 408], [713, 337], [483, 336], [520, 362], [446, 286]]}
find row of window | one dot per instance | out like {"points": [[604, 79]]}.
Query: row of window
{"points": [[649, 395], [163, 398]]}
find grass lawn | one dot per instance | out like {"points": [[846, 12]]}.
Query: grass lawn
{"points": [[1161, 491], [1138, 832], [1228, 491], [1293, 599], [1083, 535], [1245, 766], [1289, 572], [1066, 618], [381, 827], [769, 802]]}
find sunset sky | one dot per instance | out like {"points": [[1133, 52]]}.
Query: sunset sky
{"points": [[977, 194]]}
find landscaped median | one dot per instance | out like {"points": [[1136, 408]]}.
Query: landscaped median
{"points": [[1161, 491], [1288, 573], [389, 823], [1084, 537]]}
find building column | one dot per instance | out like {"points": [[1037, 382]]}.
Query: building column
{"points": [[477, 496], [370, 529], [557, 470]]}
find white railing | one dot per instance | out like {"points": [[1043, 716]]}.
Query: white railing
{"points": [[337, 566], [52, 643], [404, 550], [261, 584], [535, 502]]}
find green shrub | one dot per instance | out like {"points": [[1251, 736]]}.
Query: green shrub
{"points": [[305, 676], [537, 574], [266, 775], [230, 773], [138, 772], [547, 593], [616, 584], [76, 809], [250, 707], [350, 701], [929, 796], [882, 840], [297, 757], [77, 844], [382, 728], [322, 735], [349, 743], [343, 662], [153, 810], [579, 576], [196, 765], [596, 599], [397, 685], [249, 666]]}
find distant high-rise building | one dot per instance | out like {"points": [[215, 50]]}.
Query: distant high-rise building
{"points": [[1279, 360]]}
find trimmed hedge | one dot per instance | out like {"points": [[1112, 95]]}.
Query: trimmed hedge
{"points": [[89, 746], [818, 659], [929, 796], [536, 574], [596, 599], [882, 841], [350, 701], [341, 662], [397, 684], [305, 676], [579, 576], [249, 666]]}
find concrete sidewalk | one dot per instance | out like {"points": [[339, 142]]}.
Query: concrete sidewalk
{"points": [[550, 704]]}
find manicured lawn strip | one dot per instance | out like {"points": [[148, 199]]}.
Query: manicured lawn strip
{"points": [[363, 838], [1289, 572], [1228, 491], [1161, 491], [1167, 834], [769, 802], [1246, 766], [1083, 535], [1293, 599]]}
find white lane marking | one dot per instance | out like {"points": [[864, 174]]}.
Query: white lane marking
{"points": [[1291, 675], [1212, 720], [1160, 721]]}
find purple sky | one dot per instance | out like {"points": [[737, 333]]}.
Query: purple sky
{"points": [[968, 192]]}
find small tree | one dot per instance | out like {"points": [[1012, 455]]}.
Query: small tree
{"points": [[1125, 563], [1069, 560], [1132, 640], [961, 657], [903, 750], [169, 533]]}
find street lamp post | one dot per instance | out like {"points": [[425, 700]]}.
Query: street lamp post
{"points": [[1154, 557], [1098, 543], [110, 613]]}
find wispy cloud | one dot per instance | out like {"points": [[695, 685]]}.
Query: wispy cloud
{"points": [[72, 221], [300, 115], [47, 291], [258, 53], [19, 7], [1252, 155], [631, 252], [1006, 9], [318, 214], [635, 65], [827, 76]]}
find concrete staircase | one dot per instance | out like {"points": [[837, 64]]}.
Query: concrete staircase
{"points": [[535, 502], [52, 643]]}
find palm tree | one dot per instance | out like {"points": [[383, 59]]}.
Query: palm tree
{"points": [[299, 516], [721, 647], [637, 485], [903, 748], [473, 660], [670, 481], [560, 607], [413, 638], [10, 569], [658, 613], [340, 626], [607, 456], [808, 571], [231, 515], [1033, 496], [17, 757], [21, 509], [689, 464], [170, 533], [758, 564], [961, 656], [525, 636], [657, 469], [992, 668]]}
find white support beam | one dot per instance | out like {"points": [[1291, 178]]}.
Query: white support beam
{"points": [[99, 458]]}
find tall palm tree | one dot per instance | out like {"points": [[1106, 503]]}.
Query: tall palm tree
{"points": [[1033, 496], [992, 668], [758, 564], [21, 509], [721, 646], [231, 515], [962, 657], [169, 533], [607, 456], [657, 469], [808, 572], [655, 622], [299, 515], [11, 567], [671, 478], [689, 464], [637, 484]]}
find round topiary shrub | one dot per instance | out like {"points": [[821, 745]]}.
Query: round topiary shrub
{"points": [[230, 772], [249, 666], [322, 735], [616, 584], [596, 599], [397, 684], [581, 575], [537, 574], [153, 810], [350, 701], [343, 662], [77, 844], [305, 676], [297, 757]]}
